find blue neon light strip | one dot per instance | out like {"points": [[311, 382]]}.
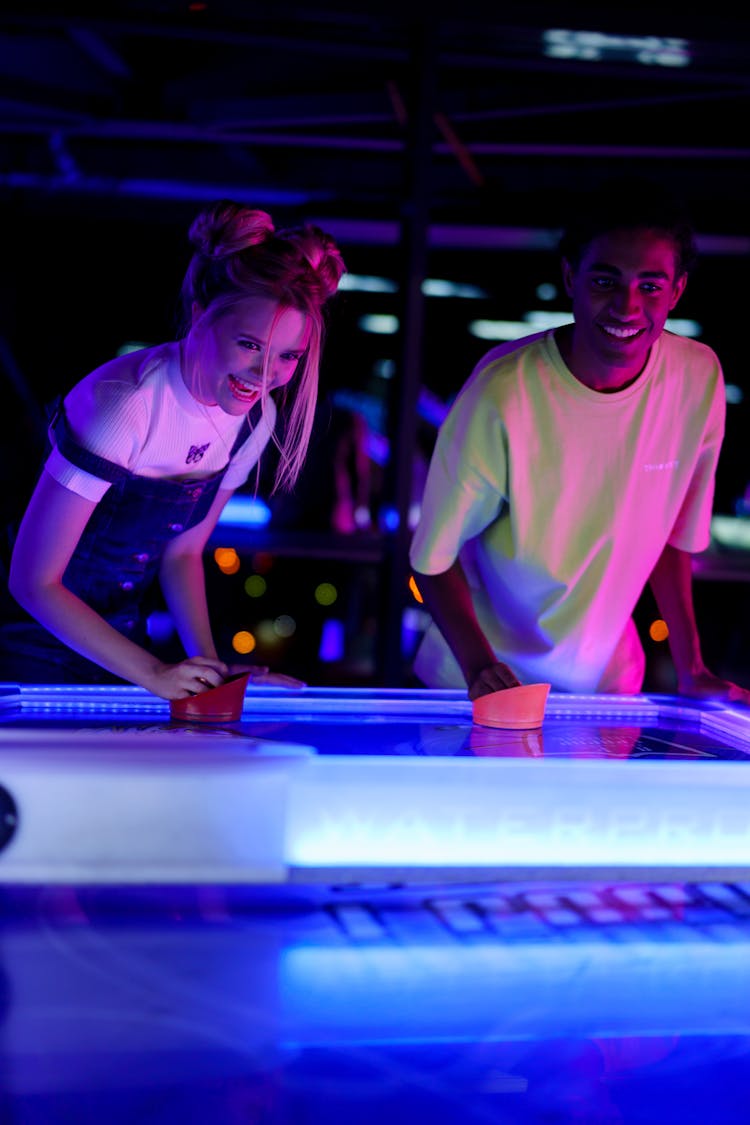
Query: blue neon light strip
{"points": [[386, 992]]}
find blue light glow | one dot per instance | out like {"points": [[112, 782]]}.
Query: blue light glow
{"points": [[331, 640], [389, 519], [245, 511], [385, 991]]}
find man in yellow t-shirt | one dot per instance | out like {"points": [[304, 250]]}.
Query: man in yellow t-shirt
{"points": [[574, 468]]}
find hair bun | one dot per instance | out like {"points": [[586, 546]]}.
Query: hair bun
{"points": [[321, 254], [227, 228]]}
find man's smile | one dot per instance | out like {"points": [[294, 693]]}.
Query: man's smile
{"points": [[621, 333]]}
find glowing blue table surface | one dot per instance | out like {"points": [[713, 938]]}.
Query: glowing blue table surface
{"points": [[403, 722]]}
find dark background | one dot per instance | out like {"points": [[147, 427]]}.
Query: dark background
{"points": [[433, 142]]}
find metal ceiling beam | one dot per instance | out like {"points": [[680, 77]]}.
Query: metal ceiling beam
{"points": [[177, 133]]}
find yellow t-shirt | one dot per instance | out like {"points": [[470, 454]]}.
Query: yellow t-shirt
{"points": [[560, 499]]}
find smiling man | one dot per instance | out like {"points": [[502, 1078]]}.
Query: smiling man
{"points": [[574, 468]]}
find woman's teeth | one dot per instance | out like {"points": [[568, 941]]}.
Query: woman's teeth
{"points": [[244, 390]]}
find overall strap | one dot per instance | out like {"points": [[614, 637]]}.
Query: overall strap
{"points": [[249, 422], [80, 457], [108, 470]]}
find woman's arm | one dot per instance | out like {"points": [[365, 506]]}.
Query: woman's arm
{"points": [[49, 534], [183, 581]]}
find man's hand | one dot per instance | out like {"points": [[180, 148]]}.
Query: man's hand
{"points": [[705, 685], [493, 678]]}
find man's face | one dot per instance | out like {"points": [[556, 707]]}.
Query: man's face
{"points": [[622, 292]]}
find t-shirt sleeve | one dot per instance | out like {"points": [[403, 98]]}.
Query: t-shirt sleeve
{"points": [[466, 484], [691, 530], [105, 418]]}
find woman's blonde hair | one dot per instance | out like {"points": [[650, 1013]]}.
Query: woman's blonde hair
{"points": [[239, 254]]}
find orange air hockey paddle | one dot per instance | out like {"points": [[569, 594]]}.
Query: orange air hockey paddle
{"points": [[516, 708]]}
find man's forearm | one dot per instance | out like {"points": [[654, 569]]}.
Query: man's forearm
{"points": [[672, 585], [448, 599]]}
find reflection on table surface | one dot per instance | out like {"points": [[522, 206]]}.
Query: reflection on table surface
{"points": [[405, 722], [480, 1004]]}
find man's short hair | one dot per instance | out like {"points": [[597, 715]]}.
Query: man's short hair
{"points": [[629, 203]]}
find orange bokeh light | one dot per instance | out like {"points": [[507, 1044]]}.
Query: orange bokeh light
{"points": [[658, 630], [243, 641], [227, 560]]}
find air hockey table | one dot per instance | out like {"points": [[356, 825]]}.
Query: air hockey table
{"points": [[355, 903]]}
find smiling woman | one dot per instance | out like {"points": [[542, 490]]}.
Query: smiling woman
{"points": [[147, 449]]}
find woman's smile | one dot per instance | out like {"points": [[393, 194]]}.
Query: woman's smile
{"points": [[251, 348], [244, 392]]}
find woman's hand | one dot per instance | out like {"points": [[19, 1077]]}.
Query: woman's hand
{"points": [[261, 677], [189, 677]]}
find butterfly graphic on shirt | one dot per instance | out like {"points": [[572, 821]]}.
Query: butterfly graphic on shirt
{"points": [[196, 453]]}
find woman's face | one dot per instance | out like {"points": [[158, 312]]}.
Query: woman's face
{"points": [[226, 355]]}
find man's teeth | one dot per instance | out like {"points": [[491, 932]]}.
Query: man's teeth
{"points": [[620, 333]]}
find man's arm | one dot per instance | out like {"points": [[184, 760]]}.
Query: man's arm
{"points": [[672, 584], [448, 600]]}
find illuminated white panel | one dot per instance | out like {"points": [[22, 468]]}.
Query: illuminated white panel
{"points": [[539, 320], [380, 324], [169, 806], [731, 531], [439, 287], [431, 286], [683, 326], [499, 329], [595, 46], [367, 283], [518, 814]]}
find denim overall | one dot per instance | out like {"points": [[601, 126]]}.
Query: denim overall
{"points": [[116, 560]]}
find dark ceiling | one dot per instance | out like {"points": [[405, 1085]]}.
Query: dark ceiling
{"points": [[425, 137], [386, 123], [323, 109]]}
